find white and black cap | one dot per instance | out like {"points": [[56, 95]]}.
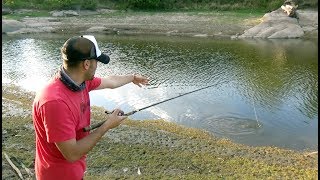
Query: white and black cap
{"points": [[83, 47]]}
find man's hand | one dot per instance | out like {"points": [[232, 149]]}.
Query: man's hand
{"points": [[114, 119], [73, 149], [140, 80]]}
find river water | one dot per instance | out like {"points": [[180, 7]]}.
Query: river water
{"points": [[264, 92]]}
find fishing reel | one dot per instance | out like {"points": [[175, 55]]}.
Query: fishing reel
{"points": [[121, 113]]}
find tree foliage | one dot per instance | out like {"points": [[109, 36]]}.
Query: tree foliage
{"points": [[266, 5]]}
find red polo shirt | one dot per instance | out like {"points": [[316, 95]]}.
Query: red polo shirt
{"points": [[59, 114]]}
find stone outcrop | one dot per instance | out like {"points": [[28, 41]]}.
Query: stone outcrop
{"points": [[6, 11], [33, 25], [66, 13], [277, 24], [11, 25]]}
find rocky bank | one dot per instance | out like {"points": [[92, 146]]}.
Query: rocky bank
{"points": [[275, 24]]}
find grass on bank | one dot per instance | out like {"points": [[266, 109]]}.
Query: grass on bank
{"points": [[167, 151]]}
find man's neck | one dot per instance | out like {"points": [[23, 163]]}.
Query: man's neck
{"points": [[74, 74]]}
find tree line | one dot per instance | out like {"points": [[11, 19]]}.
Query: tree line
{"points": [[162, 5]]}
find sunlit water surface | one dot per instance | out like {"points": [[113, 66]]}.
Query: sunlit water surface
{"points": [[265, 92]]}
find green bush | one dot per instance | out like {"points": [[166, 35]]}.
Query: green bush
{"points": [[15, 4], [89, 4], [51, 4], [266, 5], [273, 5], [58, 4], [145, 4]]}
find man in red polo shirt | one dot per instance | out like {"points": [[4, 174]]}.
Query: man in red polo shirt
{"points": [[62, 109]]}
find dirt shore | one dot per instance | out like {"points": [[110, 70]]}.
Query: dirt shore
{"points": [[198, 24], [152, 149], [206, 24]]}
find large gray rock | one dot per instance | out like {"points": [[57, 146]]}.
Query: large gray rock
{"points": [[6, 11], [287, 31], [9, 25], [32, 30], [29, 25], [64, 13], [308, 20], [96, 29], [277, 24]]}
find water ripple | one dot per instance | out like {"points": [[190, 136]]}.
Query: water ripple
{"points": [[232, 125]]}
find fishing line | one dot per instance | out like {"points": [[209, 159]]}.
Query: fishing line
{"points": [[254, 108], [255, 114]]}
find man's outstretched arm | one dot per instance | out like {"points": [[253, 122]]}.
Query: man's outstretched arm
{"points": [[118, 81]]}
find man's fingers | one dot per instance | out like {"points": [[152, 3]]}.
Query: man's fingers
{"points": [[141, 80], [118, 112]]}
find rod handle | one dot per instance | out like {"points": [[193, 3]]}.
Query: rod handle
{"points": [[94, 126], [121, 113], [130, 113]]}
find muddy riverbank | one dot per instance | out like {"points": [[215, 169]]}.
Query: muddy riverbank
{"points": [[152, 149]]}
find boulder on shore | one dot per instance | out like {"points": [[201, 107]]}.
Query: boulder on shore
{"points": [[10, 25], [64, 13], [277, 24], [6, 11]]}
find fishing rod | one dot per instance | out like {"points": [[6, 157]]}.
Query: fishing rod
{"points": [[94, 126]]}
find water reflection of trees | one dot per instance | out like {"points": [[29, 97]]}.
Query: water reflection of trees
{"points": [[280, 71]]}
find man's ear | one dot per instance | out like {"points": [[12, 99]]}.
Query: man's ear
{"points": [[86, 64]]}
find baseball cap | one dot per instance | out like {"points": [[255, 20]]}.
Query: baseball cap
{"points": [[83, 47]]}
